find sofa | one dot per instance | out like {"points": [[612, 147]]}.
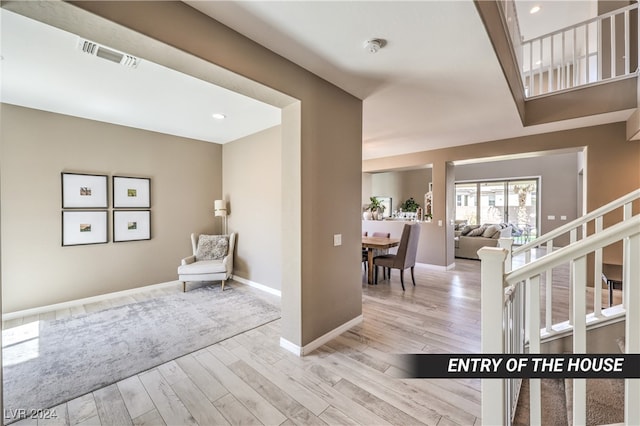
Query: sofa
{"points": [[471, 238]]}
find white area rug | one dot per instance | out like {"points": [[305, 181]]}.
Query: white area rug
{"points": [[49, 362]]}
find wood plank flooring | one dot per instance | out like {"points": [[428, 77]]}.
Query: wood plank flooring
{"points": [[250, 380]]}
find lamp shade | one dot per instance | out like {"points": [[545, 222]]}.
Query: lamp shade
{"points": [[220, 207]]}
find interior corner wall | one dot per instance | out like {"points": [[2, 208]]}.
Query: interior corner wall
{"points": [[37, 146], [251, 183]]}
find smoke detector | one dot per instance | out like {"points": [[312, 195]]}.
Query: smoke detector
{"points": [[95, 49], [373, 45]]}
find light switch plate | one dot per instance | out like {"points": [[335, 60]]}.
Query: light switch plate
{"points": [[551, 217], [337, 240], [563, 217]]}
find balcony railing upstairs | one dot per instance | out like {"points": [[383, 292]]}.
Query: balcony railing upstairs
{"points": [[600, 49], [504, 331]]}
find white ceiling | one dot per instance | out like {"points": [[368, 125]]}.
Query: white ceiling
{"points": [[42, 68], [436, 83]]}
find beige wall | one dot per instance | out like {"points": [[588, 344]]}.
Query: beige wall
{"points": [[322, 141], [611, 165], [36, 146], [252, 186]]}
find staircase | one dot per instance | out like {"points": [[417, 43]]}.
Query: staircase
{"points": [[512, 321]]}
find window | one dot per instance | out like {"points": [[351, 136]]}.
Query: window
{"points": [[513, 201]]}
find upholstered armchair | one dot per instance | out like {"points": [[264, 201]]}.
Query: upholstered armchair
{"points": [[212, 259]]}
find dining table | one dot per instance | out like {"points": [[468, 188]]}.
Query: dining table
{"points": [[372, 243]]}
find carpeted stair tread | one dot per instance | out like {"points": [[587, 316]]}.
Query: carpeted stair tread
{"points": [[605, 401], [554, 410]]}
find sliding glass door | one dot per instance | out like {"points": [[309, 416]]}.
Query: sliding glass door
{"points": [[513, 201]]}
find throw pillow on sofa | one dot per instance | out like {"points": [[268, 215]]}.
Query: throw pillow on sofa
{"points": [[492, 231], [477, 232], [469, 228]]}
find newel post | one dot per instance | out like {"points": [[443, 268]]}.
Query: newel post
{"points": [[492, 336]]}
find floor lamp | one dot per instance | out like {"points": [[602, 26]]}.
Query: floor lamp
{"points": [[220, 207]]}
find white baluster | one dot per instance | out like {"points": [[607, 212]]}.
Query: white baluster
{"points": [[627, 212], [579, 337], [613, 46], [599, 50], [548, 321], [627, 47], [632, 330], [572, 239], [533, 296], [597, 276]]}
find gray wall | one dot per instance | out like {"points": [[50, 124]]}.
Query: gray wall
{"points": [[36, 146]]}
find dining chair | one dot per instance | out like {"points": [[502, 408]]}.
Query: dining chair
{"points": [[386, 272], [404, 258], [365, 260]]}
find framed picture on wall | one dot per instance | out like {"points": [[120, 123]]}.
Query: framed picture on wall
{"points": [[131, 192], [82, 191], [131, 225], [84, 227]]}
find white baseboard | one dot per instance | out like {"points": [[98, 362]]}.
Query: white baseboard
{"points": [[307, 349], [86, 300], [257, 285]]}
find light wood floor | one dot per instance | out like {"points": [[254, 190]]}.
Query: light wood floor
{"points": [[250, 380]]}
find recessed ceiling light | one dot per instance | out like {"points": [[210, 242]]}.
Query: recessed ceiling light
{"points": [[534, 9], [219, 116]]}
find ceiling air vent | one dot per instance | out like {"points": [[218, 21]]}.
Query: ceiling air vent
{"points": [[95, 49]]}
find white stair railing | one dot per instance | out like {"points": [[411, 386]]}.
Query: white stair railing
{"points": [[497, 325], [589, 52], [576, 230]]}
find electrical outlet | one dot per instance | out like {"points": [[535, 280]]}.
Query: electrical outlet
{"points": [[563, 217], [337, 240], [551, 217]]}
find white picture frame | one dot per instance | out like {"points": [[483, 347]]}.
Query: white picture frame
{"points": [[84, 227], [131, 225], [131, 192], [84, 191]]}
